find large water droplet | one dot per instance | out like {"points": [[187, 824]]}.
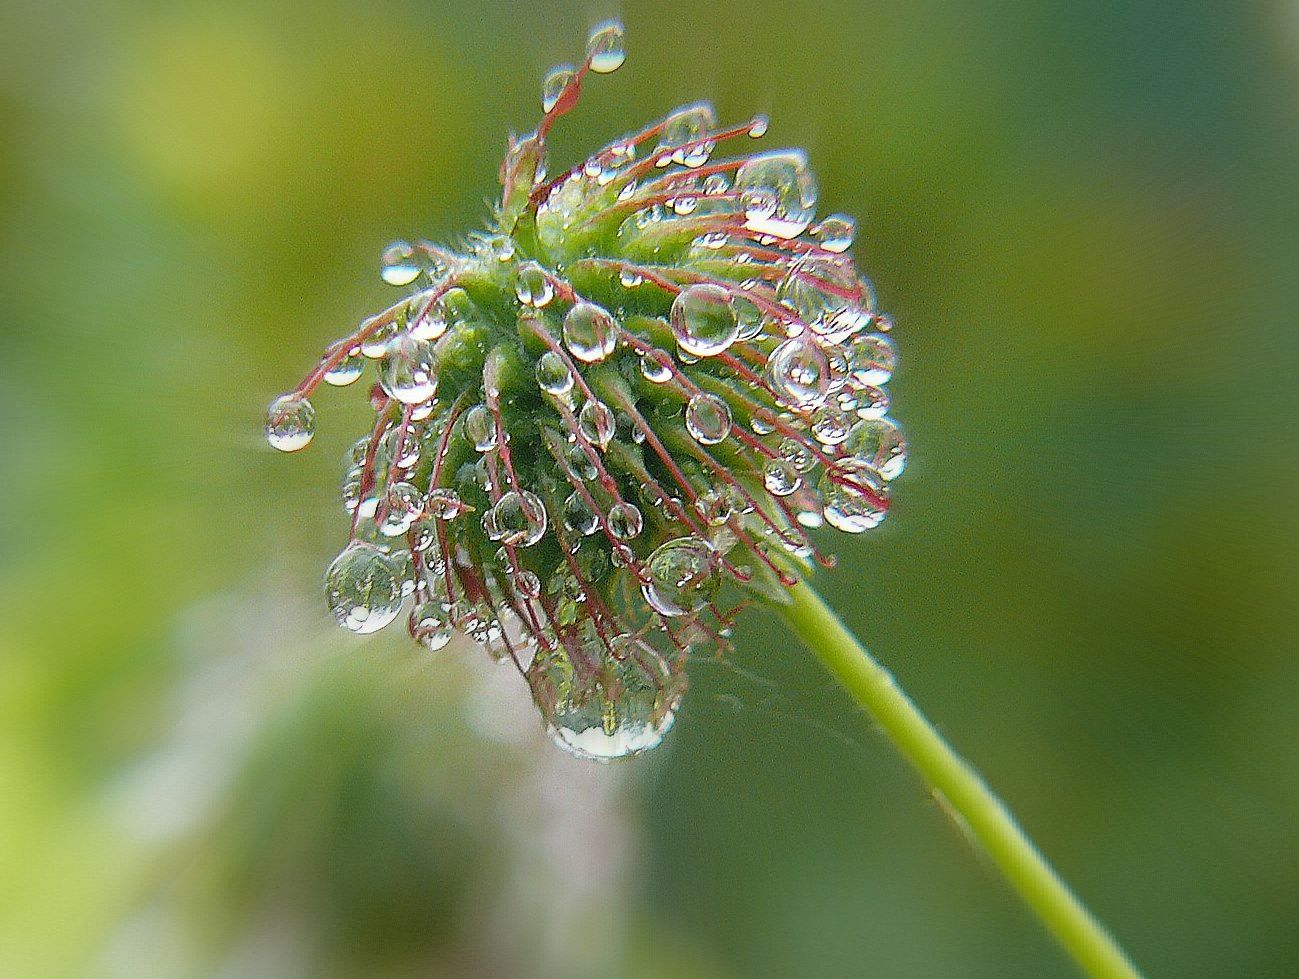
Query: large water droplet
{"points": [[781, 477], [827, 296], [605, 48], [656, 367], [347, 370], [778, 193], [578, 515], [872, 358], [597, 423], [363, 588], [520, 518], [685, 125], [590, 332], [708, 418], [290, 422], [625, 520], [409, 371], [880, 444], [480, 428], [835, 233], [402, 505], [682, 576], [533, 287], [704, 320], [853, 495], [799, 373], [401, 264], [429, 626], [553, 374], [553, 84]]}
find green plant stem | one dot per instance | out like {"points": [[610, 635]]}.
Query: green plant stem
{"points": [[954, 780]]}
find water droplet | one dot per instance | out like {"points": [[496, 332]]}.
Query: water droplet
{"points": [[781, 477], [375, 344], [533, 287], [290, 422], [827, 296], [527, 585], [429, 626], [582, 465], [758, 127], [578, 515], [799, 373], [402, 505], [590, 333], [835, 233], [880, 444], [778, 193], [625, 520], [553, 375], [480, 428], [686, 125], [630, 279], [625, 708], [347, 370], [704, 320], [682, 576], [444, 504], [830, 426], [597, 423], [872, 358], [363, 588], [400, 264], [655, 367], [853, 496], [401, 453], [409, 371], [708, 419], [520, 518], [870, 402], [605, 48], [797, 454], [553, 84]]}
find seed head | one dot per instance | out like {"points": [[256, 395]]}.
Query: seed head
{"points": [[605, 424]]}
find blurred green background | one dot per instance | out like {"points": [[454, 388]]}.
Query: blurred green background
{"points": [[1083, 217]]}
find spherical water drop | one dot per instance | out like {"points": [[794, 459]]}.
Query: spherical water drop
{"points": [[597, 423], [578, 515], [347, 370], [520, 518], [655, 367], [363, 588], [682, 576], [290, 422], [778, 193], [704, 320], [781, 477], [582, 465], [401, 264], [409, 371], [403, 504], [480, 428], [429, 626], [625, 520], [880, 444], [708, 419], [853, 495], [830, 426], [590, 333], [553, 84], [827, 296], [835, 233], [758, 127], [605, 50], [533, 287], [444, 504], [375, 344], [553, 374], [799, 373], [687, 125], [872, 358]]}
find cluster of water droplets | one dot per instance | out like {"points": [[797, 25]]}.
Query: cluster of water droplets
{"points": [[612, 417]]}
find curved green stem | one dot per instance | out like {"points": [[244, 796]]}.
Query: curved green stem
{"points": [[950, 776]]}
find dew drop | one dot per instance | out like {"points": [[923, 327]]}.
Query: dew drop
{"points": [[682, 576], [590, 333], [429, 626], [347, 370], [799, 374], [625, 520], [758, 127], [290, 422], [375, 344], [581, 464], [480, 428], [409, 371], [444, 504], [597, 423], [553, 374], [605, 47], [400, 264], [872, 358], [402, 505], [835, 233], [704, 320], [655, 367], [533, 287], [578, 515], [830, 426], [520, 518], [854, 497], [630, 279], [778, 193], [363, 588], [686, 125], [880, 444], [553, 84], [708, 419], [827, 296]]}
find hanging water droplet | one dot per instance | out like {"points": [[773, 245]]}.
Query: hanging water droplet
{"points": [[827, 296], [578, 515], [597, 423], [480, 428], [682, 576], [429, 626], [853, 495], [553, 374], [409, 371], [758, 127], [605, 49], [444, 504], [590, 333], [778, 193], [533, 287], [583, 466], [797, 454], [835, 233], [708, 419], [363, 588], [704, 320], [781, 477], [880, 444], [799, 373], [400, 264], [375, 344], [290, 422], [630, 279], [347, 370], [830, 426], [872, 358], [625, 520], [871, 402], [553, 84], [527, 585], [401, 506], [687, 125], [655, 367], [520, 518]]}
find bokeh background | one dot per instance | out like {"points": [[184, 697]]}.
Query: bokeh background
{"points": [[1083, 215]]}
